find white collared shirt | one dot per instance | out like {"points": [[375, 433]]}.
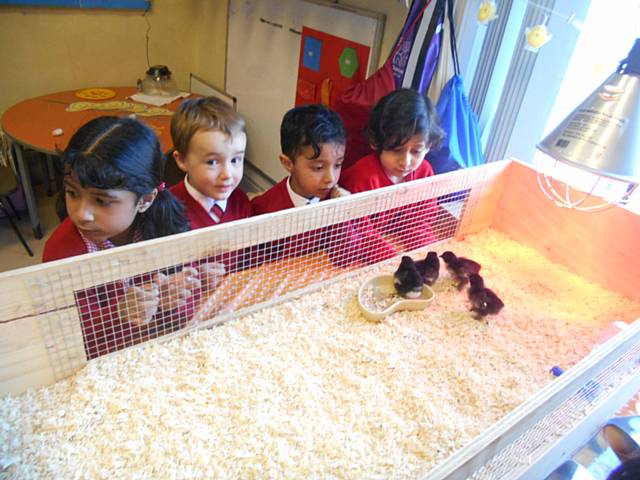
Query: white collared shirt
{"points": [[299, 200], [206, 202]]}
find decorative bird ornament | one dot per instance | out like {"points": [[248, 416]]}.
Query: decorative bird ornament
{"points": [[537, 37], [486, 12]]}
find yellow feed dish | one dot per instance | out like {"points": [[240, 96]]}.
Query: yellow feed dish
{"points": [[95, 94]]}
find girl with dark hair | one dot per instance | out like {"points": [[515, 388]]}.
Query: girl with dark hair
{"points": [[114, 195], [113, 190], [402, 128]]}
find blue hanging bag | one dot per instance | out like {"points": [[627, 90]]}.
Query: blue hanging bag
{"points": [[462, 147]]}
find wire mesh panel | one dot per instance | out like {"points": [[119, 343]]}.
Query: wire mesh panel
{"points": [[528, 447], [98, 304], [524, 443]]}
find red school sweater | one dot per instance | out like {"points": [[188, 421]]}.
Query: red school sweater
{"points": [[345, 243], [410, 223], [273, 200], [102, 329], [64, 242], [368, 174], [238, 206]]}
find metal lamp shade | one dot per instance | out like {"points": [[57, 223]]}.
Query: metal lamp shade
{"points": [[602, 135]]}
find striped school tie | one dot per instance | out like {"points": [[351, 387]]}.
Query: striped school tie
{"points": [[217, 212]]}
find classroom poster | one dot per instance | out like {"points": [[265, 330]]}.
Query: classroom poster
{"points": [[327, 66]]}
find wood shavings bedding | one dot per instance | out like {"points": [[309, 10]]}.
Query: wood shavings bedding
{"points": [[309, 389]]}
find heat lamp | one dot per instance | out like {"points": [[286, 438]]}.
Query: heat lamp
{"points": [[601, 138]]}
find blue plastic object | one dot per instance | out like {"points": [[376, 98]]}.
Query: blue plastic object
{"points": [[590, 390], [462, 147], [312, 53]]}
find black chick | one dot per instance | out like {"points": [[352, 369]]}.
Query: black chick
{"points": [[483, 300], [407, 279], [460, 268], [429, 268]]}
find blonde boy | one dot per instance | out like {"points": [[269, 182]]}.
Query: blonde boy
{"points": [[210, 138]]}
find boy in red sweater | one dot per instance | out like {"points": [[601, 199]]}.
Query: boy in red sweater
{"points": [[313, 139], [209, 138]]}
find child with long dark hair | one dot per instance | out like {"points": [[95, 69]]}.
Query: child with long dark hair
{"points": [[113, 190], [114, 195], [402, 128]]}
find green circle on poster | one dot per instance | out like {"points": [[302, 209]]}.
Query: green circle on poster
{"points": [[348, 62]]}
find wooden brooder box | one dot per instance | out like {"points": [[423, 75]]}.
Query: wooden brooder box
{"points": [[41, 313]]}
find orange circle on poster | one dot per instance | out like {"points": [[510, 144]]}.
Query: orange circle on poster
{"points": [[95, 94]]}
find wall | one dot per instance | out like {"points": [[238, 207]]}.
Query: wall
{"points": [[395, 12], [45, 50], [210, 41]]}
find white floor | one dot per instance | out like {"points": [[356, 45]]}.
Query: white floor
{"points": [[12, 253]]}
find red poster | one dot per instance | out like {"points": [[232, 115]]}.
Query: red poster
{"points": [[327, 66]]}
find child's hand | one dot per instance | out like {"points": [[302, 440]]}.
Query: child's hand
{"points": [[139, 304], [175, 289], [211, 275], [338, 191]]}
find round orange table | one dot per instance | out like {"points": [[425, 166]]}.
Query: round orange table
{"points": [[30, 124]]}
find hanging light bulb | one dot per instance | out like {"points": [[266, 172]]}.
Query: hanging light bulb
{"points": [[602, 139]]}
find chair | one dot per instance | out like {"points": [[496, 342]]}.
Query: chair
{"points": [[8, 185]]}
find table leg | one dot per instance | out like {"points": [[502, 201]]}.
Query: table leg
{"points": [[57, 172], [25, 179], [50, 172]]}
